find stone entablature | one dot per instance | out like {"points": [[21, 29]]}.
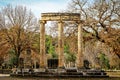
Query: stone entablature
{"points": [[60, 16]]}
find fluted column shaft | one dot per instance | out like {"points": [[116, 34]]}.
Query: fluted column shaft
{"points": [[42, 45], [80, 40], [60, 44]]}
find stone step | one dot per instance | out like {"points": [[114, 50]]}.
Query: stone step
{"points": [[61, 76]]}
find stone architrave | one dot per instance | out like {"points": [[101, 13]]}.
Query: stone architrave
{"points": [[42, 44], [80, 52], [60, 44], [60, 16]]}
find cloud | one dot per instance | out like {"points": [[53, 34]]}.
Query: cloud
{"points": [[43, 7], [39, 6]]}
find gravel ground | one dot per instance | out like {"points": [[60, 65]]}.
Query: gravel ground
{"points": [[7, 77], [16, 78], [4, 75]]}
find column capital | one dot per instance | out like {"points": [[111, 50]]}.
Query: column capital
{"points": [[80, 21], [42, 21], [60, 21]]}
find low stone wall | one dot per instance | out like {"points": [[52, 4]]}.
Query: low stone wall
{"points": [[5, 71], [113, 73]]}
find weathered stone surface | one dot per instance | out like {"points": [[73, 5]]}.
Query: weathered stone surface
{"points": [[79, 56], [60, 16], [60, 44], [42, 44]]}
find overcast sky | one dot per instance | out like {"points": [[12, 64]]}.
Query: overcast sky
{"points": [[38, 6]]}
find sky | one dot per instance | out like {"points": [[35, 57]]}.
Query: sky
{"points": [[38, 6]]}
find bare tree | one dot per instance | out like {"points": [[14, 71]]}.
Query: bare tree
{"points": [[101, 18], [18, 25]]}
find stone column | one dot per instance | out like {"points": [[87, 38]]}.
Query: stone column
{"points": [[80, 52], [60, 45], [42, 44]]}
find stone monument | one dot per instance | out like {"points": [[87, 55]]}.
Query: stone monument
{"points": [[60, 18], [61, 72]]}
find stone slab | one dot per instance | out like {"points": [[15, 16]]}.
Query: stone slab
{"points": [[60, 16]]}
